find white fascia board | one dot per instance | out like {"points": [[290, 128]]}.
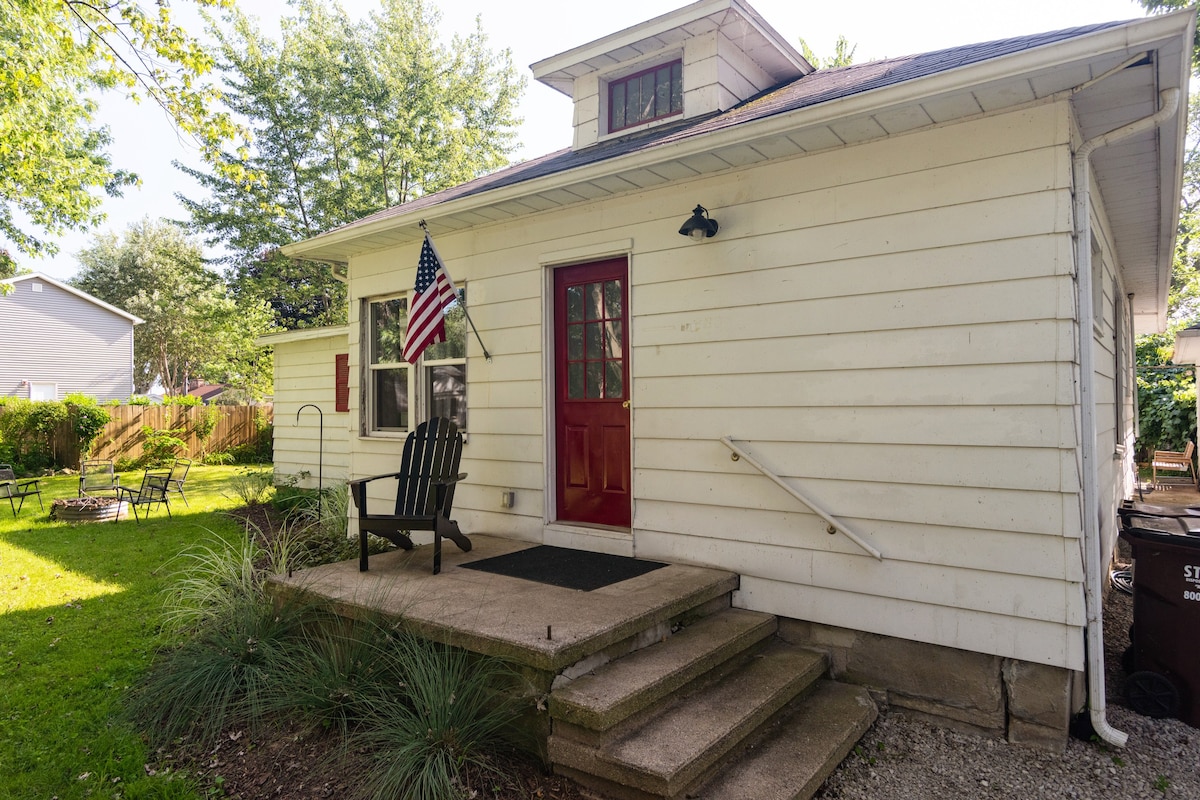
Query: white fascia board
{"points": [[1136, 34], [78, 293], [302, 335]]}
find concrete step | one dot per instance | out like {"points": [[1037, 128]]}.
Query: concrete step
{"points": [[621, 688], [796, 756], [674, 749]]}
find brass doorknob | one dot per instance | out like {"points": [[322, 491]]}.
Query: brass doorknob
{"points": [[625, 404]]}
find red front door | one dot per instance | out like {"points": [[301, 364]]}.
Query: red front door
{"points": [[591, 367]]}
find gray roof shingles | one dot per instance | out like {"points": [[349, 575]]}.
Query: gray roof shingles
{"points": [[818, 87]]}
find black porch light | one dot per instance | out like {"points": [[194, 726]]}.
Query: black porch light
{"points": [[699, 226]]}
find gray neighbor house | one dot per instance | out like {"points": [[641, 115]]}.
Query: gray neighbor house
{"points": [[56, 340]]}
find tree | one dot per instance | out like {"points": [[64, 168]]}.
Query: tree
{"points": [[843, 54], [1165, 6], [193, 328], [347, 119], [54, 54]]}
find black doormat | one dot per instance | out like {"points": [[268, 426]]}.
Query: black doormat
{"points": [[571, 569]]}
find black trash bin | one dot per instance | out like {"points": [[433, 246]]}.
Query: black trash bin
{"points": [[1164, 659]]}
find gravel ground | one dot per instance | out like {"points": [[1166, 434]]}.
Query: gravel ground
{"points": [[904, 759]]}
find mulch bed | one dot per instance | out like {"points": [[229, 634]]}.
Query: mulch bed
{"points": [[285, 762]]}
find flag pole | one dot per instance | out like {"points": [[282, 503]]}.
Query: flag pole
{"points": [[461, 297]]}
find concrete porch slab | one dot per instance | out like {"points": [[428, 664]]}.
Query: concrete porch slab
{"points": [[508, 617]]}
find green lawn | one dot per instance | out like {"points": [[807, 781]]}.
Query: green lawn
{"points": [[79, 606]]}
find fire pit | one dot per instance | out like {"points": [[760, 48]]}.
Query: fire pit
{"points": [[88, 509]]}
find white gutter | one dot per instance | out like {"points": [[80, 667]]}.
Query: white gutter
{"points": [[1093, 587]]}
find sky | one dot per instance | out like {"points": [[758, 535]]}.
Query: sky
{"points": [[145, 142]]}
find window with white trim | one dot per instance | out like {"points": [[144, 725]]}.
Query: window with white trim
{"points": [[398, 392], [388, 374], [645, 96]]}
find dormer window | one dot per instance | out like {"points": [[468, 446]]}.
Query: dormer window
{"points": [[645, 96]]}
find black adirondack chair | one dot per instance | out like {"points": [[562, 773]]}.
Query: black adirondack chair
{"points": [[424, 493]]}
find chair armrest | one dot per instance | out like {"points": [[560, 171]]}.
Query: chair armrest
{"points": [[374, 478], [449, 479]]}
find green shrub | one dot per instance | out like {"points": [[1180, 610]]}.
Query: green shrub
{"points": [[218, 459], [203, 428], [27, 430], [160, 448], [252, 485], [185, 400], [88, 420], [318, 525], [141, 400]]}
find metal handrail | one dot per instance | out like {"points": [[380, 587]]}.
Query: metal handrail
{"points": [[834, 524]]}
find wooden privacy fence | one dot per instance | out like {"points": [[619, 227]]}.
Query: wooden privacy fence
{"points": [[123, 437]]}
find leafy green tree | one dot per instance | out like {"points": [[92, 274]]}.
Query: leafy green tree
{"points": [[54, 56], [348, 118], [843, 54], [193, 327], [1166, 395], [1165, 6]]}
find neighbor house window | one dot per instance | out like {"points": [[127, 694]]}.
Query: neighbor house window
{"points": [[444, 369], [398, 391], [387, 371], [645, 96]]}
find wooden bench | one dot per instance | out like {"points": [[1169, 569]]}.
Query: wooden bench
{"points": [[424, 492], [14, 490]]}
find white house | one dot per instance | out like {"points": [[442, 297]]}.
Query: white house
{"points": [[55, 340], [916, 313]]}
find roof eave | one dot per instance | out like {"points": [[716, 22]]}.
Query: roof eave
{"points": [[136, 320], [338, 244]]}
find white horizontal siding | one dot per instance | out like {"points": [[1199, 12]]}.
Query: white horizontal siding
{"points": [[56, 336], [304, 373], [890, 326]]}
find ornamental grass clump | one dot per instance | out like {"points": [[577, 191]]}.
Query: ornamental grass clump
{"points": [[450, 714], [229, 640], [335, 670]]}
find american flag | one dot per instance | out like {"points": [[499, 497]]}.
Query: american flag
{"points": [[432, 292]]}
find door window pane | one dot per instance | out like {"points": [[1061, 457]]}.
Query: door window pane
{"points": [[575, 381], [594, 349], [595, 380], [614, 384], [612, 339], [574, 304]]}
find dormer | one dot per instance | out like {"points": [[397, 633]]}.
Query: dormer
{"points": [[702, 58]]}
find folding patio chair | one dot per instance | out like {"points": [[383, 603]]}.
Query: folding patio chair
{"points": [[152, 491], [13, 489]]}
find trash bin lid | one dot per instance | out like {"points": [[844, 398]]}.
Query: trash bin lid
{"points": [[1176, 530], [1135, 509]]}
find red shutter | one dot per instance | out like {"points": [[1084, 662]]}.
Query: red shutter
{"points": [[341, 382]]}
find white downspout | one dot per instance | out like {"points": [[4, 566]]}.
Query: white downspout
{"points": [[1093, 587]]}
